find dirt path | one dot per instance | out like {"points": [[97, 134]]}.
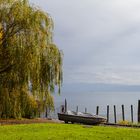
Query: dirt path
{"points": [[27, 121]]}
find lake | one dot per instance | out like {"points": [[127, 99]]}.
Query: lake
{"points": [[92, 99]]}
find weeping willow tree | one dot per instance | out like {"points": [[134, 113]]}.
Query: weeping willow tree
{"points": [[30, 63]]}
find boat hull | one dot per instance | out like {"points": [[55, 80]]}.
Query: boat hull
{"points": [[81, 119]]}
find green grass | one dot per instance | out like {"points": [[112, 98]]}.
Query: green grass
{"points": [[66, 132]]}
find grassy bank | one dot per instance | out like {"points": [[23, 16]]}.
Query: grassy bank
{"points": [[67, 132]]}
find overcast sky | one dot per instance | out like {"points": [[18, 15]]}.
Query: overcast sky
{"points": [[100, 39]]}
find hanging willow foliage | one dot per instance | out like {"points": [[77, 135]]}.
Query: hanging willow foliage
{"points": [[30, 63]]}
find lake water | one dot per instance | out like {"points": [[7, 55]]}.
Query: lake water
{"points": [[92, 99]]}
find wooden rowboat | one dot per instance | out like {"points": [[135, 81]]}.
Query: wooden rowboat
{"points": [[84, 118]]}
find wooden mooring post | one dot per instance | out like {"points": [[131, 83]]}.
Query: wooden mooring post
{"points": [[76, 109], [65, 105], [85, 110], [97, 110], [115, 116], [46, 113], [132, 120], [138, 111], [123, 116], [107, 113]]}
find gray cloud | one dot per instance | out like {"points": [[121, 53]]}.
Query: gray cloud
{"points": [[100, 39]]}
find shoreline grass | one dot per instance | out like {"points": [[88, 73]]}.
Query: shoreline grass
{"points": [[50, 131]]}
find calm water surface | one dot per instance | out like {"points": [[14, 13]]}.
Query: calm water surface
{"points": [[92, 99]]}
